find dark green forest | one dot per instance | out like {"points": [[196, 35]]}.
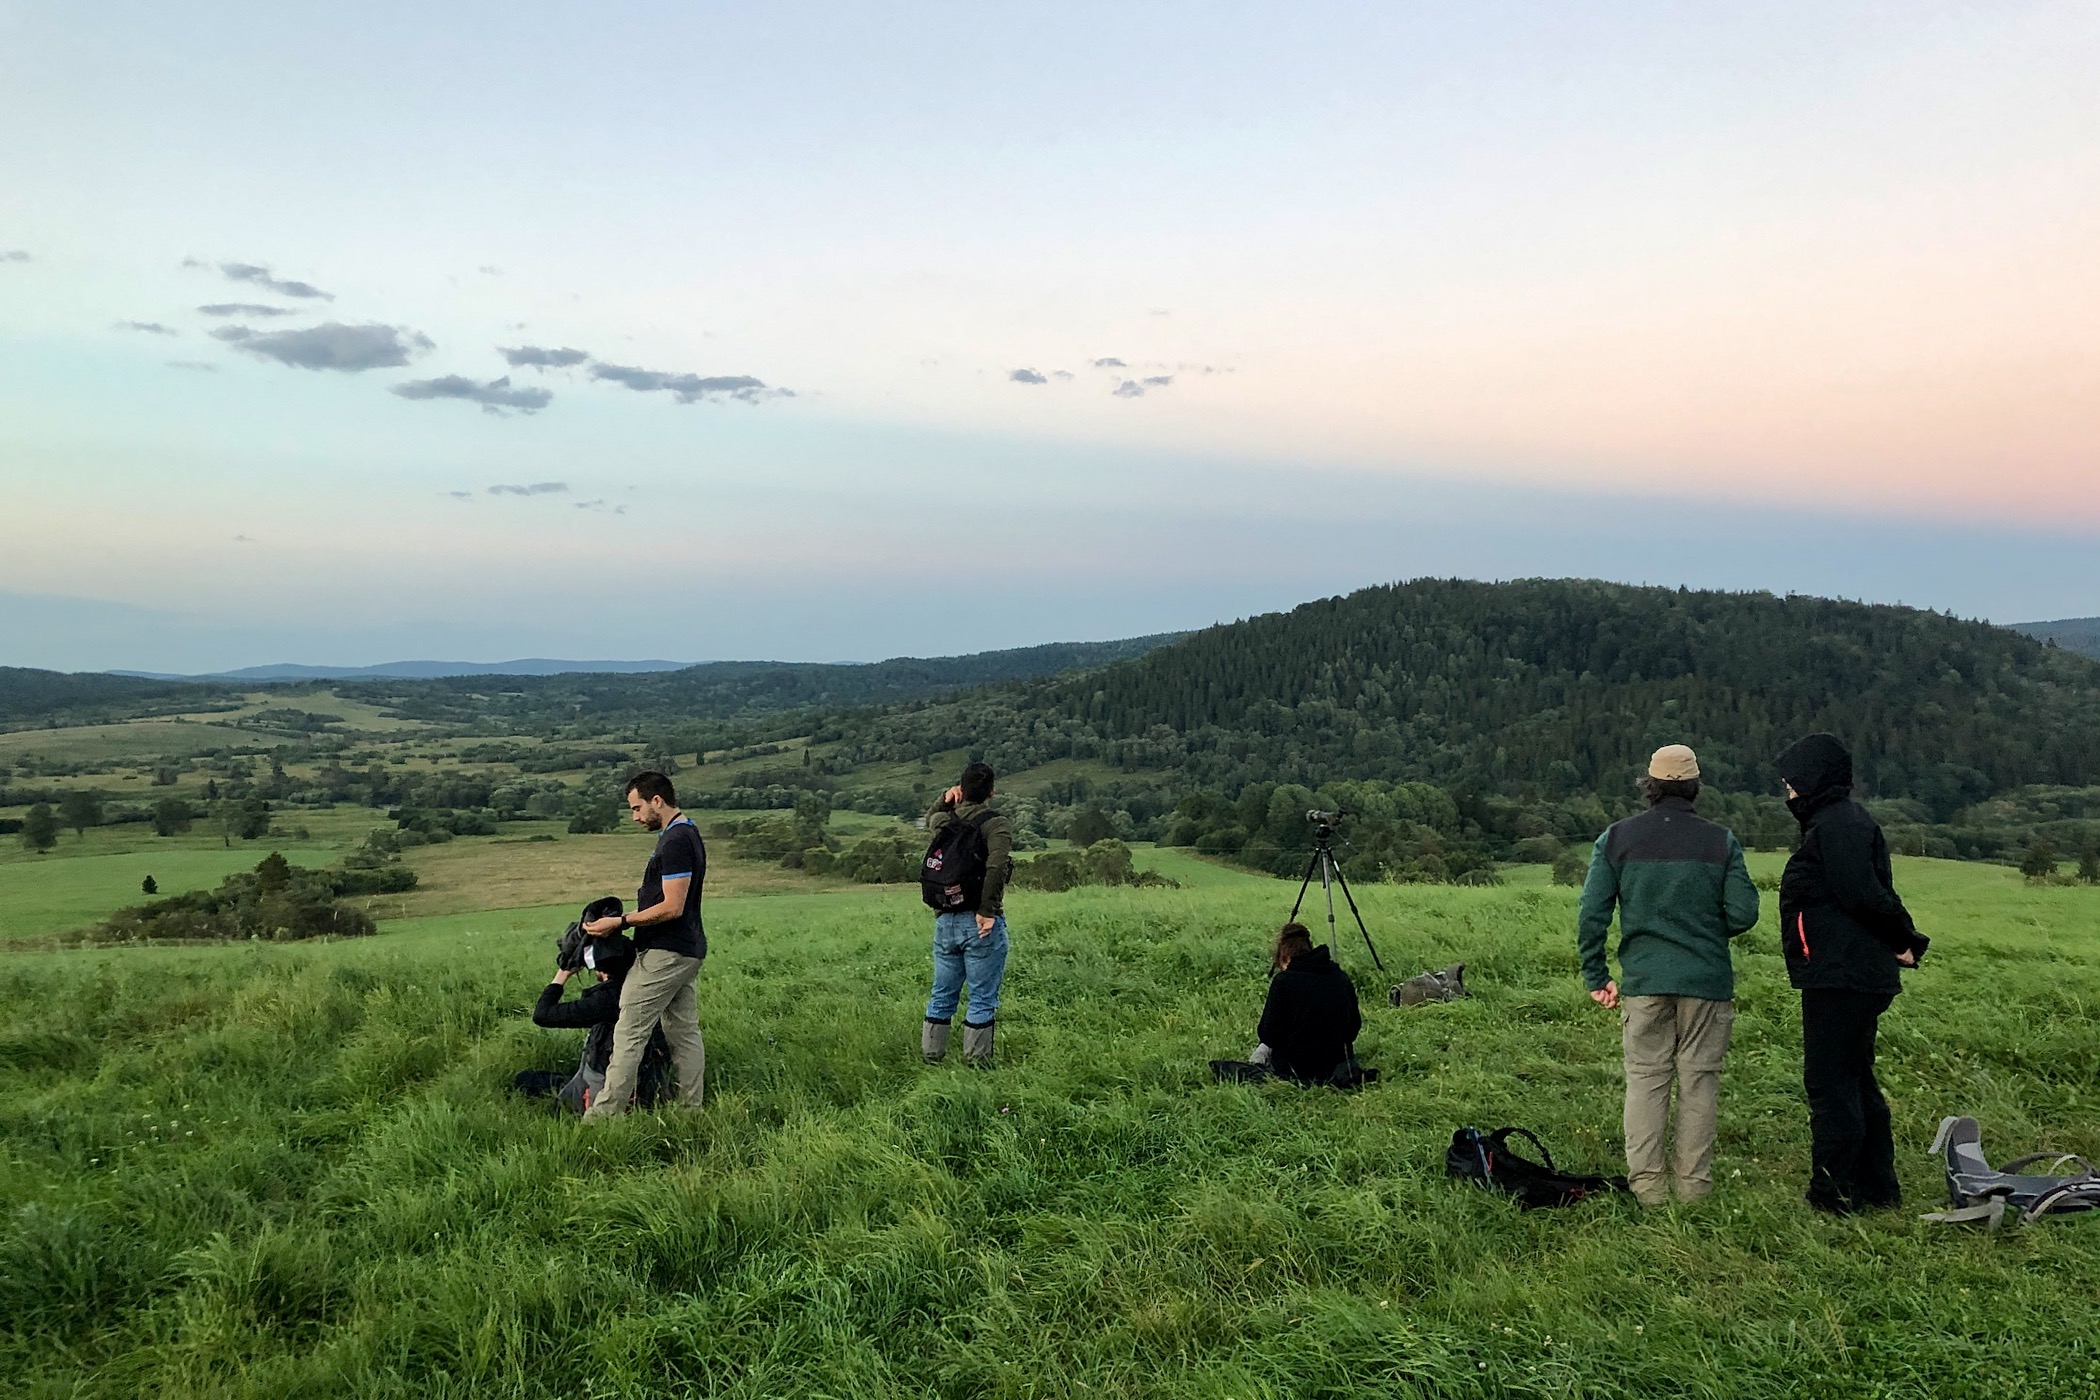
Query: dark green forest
{"points": [[1466, 723], [1547, 688], [1533, 705]]}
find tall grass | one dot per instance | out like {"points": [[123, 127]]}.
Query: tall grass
{"points": [[267, 1170]]}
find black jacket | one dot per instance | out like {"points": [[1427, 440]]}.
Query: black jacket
{"points": [[1840, 920], [1311, 1018], [595, 1011]]}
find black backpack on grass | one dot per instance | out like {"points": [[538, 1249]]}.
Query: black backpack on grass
{"points": [[1486, 1160], [951, 878]]}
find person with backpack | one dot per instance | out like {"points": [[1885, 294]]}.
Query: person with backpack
{"points": [[1847, 938], [963, 879], [1682, 891], [606, 961]]}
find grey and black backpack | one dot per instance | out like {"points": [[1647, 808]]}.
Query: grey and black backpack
{"points": [[1978, 1191]]}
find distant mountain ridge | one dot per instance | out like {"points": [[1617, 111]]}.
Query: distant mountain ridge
{"points": [[708, 691], [2079, 634], [418, 670]]}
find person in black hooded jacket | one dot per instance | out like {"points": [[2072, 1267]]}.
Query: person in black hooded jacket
{"points": [[607, 961], [1846, 936], [1311, 1019]]}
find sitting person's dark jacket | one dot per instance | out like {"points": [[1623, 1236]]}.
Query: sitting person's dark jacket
{"points": [[608, 960], [1311, 1020]]}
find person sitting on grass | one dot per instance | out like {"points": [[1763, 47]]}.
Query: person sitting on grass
{"points": [[606, 962], [1310, 1022]]}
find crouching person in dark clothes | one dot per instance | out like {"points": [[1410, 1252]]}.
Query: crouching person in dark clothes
{"points": [[605, 965], [1310, 1022], [1847, 936]]}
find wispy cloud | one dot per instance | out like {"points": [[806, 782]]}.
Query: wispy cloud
{"points": [[688, 388], [1129, 389], [487, 270], [257, 275], [461, 495], [245, 308], [1110, 362], [541, 356], [496, 396], [15, 255], [203, 366], [331, 345], [149, 327], [537, 488], [1159, 381], [1027, 376]]}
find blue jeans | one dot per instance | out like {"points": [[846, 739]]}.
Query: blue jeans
{"points": [[961, 957]]}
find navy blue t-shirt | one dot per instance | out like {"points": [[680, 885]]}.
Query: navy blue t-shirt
{"points": [[679, 851]]}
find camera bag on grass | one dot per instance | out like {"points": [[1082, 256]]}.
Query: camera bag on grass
{"points": [[1485, 1159], [951, 878]]}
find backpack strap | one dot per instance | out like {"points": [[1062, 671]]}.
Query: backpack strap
{"points": [[2070, 1196], [2031, 1158], [1500, 1135], [1992, 1211]]}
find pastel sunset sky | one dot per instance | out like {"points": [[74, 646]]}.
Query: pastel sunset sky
{"points": [[346, 334]]}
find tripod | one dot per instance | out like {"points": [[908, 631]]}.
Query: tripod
{"points": [[1331, 875]]}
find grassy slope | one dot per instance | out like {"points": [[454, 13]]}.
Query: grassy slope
{"points": [[293, 1170]]}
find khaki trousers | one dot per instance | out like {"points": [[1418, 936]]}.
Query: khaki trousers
{"points": [[1685, 1039], [658, 990]]}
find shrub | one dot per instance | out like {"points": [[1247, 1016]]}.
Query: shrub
{"points": [[273, 901], [1105, 862], [1571, 866]]}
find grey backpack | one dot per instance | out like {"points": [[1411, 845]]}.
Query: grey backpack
{"points": [[1978, 1191]]}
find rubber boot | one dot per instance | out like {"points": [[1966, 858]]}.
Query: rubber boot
{"points": [[977, 1044], [933, 1041]]}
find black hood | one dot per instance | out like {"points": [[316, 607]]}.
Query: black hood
{"points": [[610, 954], [1819, 769]]}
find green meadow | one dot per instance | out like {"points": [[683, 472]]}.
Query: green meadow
{"points": [[295, 1169]]}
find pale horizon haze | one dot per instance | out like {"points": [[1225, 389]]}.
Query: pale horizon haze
{"points": [[839, 332]]}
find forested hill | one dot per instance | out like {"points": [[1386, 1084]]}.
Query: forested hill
{"points": [[719, 692], [2079, 634], [90, 697], [1547, 687]]}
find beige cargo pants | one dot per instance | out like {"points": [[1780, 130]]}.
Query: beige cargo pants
{"points": [[659, 989], [1672, 1038]]}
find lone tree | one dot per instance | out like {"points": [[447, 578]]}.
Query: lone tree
{"points": [[80, 809], [2040, 861], [40, 828], [149, 885], [2089, 864], [171, 817], [1089, 825]]}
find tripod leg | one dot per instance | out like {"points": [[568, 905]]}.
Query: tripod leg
{"points": [[1303, 885], [1375, 962], [1328, 871]]}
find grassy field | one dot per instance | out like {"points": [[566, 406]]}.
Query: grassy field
{"points": [[280, 1170]]}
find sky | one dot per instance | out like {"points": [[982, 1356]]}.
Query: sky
{"points": [[836, 332]]}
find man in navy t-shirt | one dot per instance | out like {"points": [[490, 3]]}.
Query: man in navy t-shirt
{"points": [[669, 944]]}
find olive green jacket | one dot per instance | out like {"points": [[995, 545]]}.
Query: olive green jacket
{"points": [[998, 849]]}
